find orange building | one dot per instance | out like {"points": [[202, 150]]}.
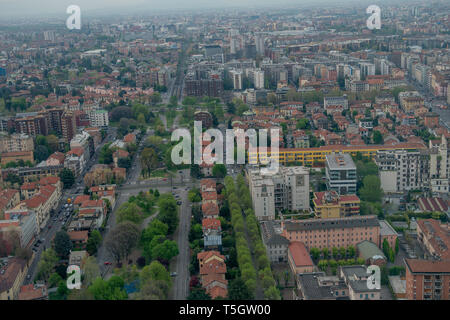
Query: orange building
{"points": [[427, 280]]}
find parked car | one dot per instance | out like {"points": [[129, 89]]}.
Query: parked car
{"points": [[107, 263], [173, 274]]}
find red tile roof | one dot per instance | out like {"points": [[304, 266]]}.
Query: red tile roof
{"points": [[300, 255]]}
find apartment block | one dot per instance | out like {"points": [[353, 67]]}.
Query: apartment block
{"points": [[16, 142], [435, 238], [329, 233], [288, 189], [99, 118], [440, 167], [427, 280], [329, 204], [403, 170], [340, 172]]}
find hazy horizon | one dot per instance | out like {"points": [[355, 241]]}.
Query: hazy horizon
{"points": [[50, 8]]}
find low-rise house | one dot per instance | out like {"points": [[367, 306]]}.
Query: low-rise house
{"points": [[318, 286], [371, 254], [212, 273], [276, 245], [355, 277], [33, 292], [299, 258]]}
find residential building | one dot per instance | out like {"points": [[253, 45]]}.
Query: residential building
{"points": [[355, 277], [16, 142], [329, 233], [12, 274], [435, 238], [329, 204], [276, 245], [340, 171], [99, 118], [318, 286], [427, 280], [299, 258], [287, 189], [403, 170]]}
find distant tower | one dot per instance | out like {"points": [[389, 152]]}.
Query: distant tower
{"points": [[259, 42], [233, 34]]}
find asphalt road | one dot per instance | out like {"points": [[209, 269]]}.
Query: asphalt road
{"points": [[52, 227], [180, 289]]}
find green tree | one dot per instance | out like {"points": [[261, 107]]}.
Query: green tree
{"points": [[168, 212], [371, 190], [47, 264], [62, 244], [272, 293], [155, 227], [237, 290], [67, 178], [219, 170], [377, 137], [95, 238], [155, 272], [166, 250], [130, 211], [112, 289], [198, 294]]}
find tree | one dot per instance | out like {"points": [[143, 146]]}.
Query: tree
{"points": [[47, 264], [272, 293], [198, 294], [106, 154], [302, 124], [168, 212], [166, 250], [91, 270], [237, 290], [54, 280], [111, 289], [41, 153], [149, 160], [371, 190], [219, 170], [315, 253], [342, 252], [351, 251], [122, 239], [155, 227], [95, 238], [130, 211], [325, 253], [377, 137], [62, 244], [155, 272], [67, 178]]}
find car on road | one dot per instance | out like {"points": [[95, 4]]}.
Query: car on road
{"points": [[173, 274], [178, 202], [107, 263]]}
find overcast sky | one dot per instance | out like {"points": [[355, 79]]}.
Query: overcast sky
{"points": [[10, 8]]}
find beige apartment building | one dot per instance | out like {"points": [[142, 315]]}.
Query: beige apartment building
{"points": [[16, 142], [286, 189]]}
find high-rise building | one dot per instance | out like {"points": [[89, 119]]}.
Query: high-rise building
{"points": [[401, 170], [236, 76], [259, 42], [69, 125], [340, 172], [287, 189]]}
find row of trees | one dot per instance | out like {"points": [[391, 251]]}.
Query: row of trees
{"points": [[336, 253], [333, 264], [244, 256]]}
